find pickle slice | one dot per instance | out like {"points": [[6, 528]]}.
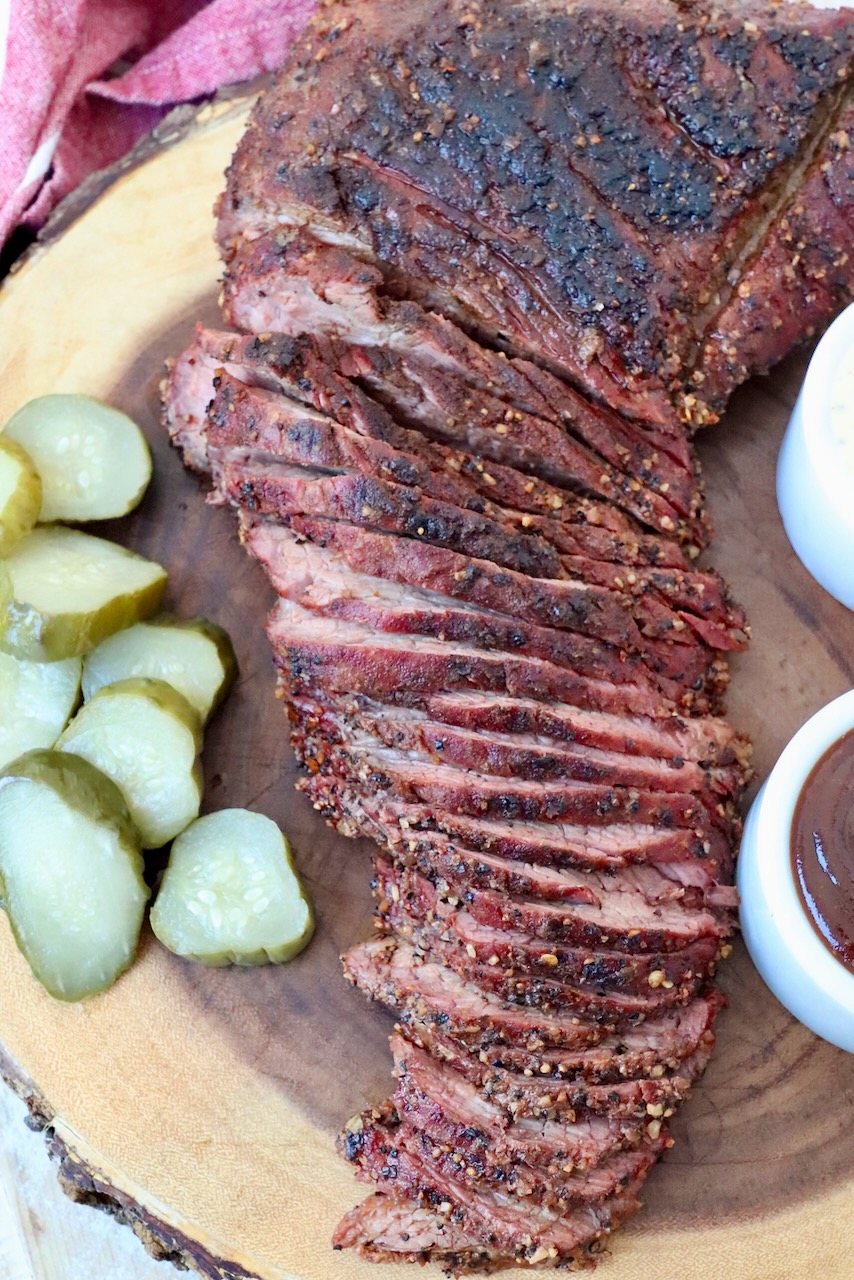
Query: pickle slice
{"points": [[70, 872], [94, 461], [230, 894], [20, 494], [70, 591], [146, 737], [37, 699], [195, 656]]}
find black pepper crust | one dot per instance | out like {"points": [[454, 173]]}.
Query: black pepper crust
{"points": [[588, 177]]}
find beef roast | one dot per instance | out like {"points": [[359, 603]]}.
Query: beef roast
{"points": [[632, 202], [494, 263]]}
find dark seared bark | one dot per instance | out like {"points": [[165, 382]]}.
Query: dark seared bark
{"points": [[665, 204]]}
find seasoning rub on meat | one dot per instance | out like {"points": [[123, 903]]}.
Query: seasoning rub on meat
{"points": [[493, 261]]}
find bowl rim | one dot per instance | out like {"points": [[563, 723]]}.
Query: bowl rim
{"points": [[772, 848]]}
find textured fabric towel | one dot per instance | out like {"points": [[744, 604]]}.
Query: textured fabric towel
{"points": [[81, 80]]}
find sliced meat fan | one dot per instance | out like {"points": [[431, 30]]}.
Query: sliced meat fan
{"points": [[493, 263]]}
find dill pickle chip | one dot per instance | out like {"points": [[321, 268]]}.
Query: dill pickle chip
{"points": [[20, 493], [70, 590], [94, 461], [195, 656], [70, 872], [37, 699], [230, 894], [146, 737]]}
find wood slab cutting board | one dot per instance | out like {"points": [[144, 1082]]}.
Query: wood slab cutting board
{"points": [[203, 1104]]}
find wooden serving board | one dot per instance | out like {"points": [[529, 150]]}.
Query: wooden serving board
{"points": [[203, 1104]]}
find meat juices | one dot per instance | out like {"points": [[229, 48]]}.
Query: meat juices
{"points": [[494, 263]]}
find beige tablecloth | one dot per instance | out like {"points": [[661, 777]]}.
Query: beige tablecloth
{"points": [[43, 1236]]}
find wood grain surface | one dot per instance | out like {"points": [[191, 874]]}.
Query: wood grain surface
{"points": [[205, 1103]]}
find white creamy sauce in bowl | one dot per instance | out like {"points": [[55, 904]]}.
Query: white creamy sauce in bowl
{"points": [[842, 412], [815, 468]]}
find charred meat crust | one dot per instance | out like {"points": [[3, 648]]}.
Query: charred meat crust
{"points": [[425, 132]]}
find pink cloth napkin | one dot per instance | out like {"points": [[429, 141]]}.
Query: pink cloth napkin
{"points": [[81, 80]]}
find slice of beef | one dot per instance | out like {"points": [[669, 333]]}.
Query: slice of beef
{"points": [[186, 392], [797, 282], [397, 609], [271, 423], [430, 855], [419, 989], [388, 1227], [336, 288], [266, 277], [576, 976], [569, 605], [385, 666], [258, 419], [261, 381], [251, 426], [372, 1142], [602, 277], [658, 598], [641, 1052], [263, 286], [687, 858], [644, 445], [687, 952], [494, 1216], [698, 599], [583, 1142], [614, 1010], [557, 1186], [393, 1228], [680, 657], [672, 650], [584, 530], [623, 921], [396, 973], [418, 781], [587, 734], [460, 1151], [372, 446], [434, 853], [347, 656], [522, 1095], [317, 579], [522, 755], [254, 390], [253, 418], [706, 740], [568, 866], [339, 721], [281, 491], [429, 394]]}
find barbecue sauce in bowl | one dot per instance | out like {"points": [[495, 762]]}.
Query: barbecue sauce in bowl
{"points": [[823, 849]]}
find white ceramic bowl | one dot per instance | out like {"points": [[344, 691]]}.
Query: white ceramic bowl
{"points": [[795, 963], [815, 489]]}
